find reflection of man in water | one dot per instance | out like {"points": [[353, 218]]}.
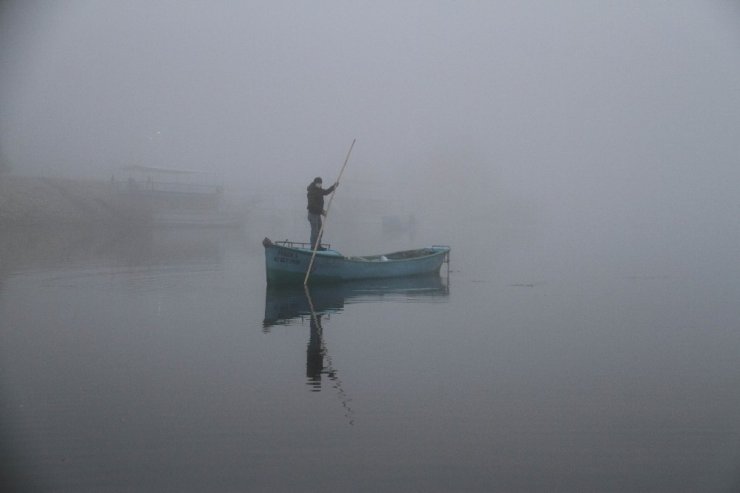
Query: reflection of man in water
{"points": [[315, 354]]}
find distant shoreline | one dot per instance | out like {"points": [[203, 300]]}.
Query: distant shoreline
{"points": [[39, 201]]}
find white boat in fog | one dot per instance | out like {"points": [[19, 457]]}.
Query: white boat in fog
{"points": [[174, 197]]}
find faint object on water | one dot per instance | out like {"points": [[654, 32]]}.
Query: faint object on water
{"points": [[397, 224], [649, 278], [174, 197]]}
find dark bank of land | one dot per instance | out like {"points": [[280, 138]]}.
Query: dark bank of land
{"points": [[37, 201]]}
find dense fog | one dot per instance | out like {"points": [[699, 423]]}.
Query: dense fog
{"points": [[580, 114], [580, 157]]}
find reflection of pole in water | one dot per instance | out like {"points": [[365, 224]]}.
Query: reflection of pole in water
{"points": [[315, 355]]}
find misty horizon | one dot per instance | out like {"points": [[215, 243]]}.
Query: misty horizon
{"points": [[621, 115]]}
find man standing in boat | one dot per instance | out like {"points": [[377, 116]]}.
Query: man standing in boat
{"points": [[315, 195]]}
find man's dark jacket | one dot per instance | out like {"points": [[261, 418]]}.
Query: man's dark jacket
{"points": [[315, 197]]}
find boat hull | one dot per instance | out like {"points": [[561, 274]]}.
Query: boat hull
{"points": [[288, 265]]}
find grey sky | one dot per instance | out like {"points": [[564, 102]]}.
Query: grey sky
{"points": [[612, 102]]}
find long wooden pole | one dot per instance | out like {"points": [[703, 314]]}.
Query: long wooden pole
{"points": [[323, 222]]}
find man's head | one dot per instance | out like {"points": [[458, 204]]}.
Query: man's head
{"points": [[317, 181]]}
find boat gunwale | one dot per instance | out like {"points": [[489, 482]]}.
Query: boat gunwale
{"points": [[435, 250]]}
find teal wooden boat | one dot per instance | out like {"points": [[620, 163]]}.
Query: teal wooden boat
{"points": [[287, 262]]}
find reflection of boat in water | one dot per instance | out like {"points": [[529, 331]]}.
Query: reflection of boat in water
{"points": [[284, 303], [287, 262], [288, 303]]}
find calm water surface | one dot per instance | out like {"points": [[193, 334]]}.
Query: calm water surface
{"points": [[160, 362]]}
